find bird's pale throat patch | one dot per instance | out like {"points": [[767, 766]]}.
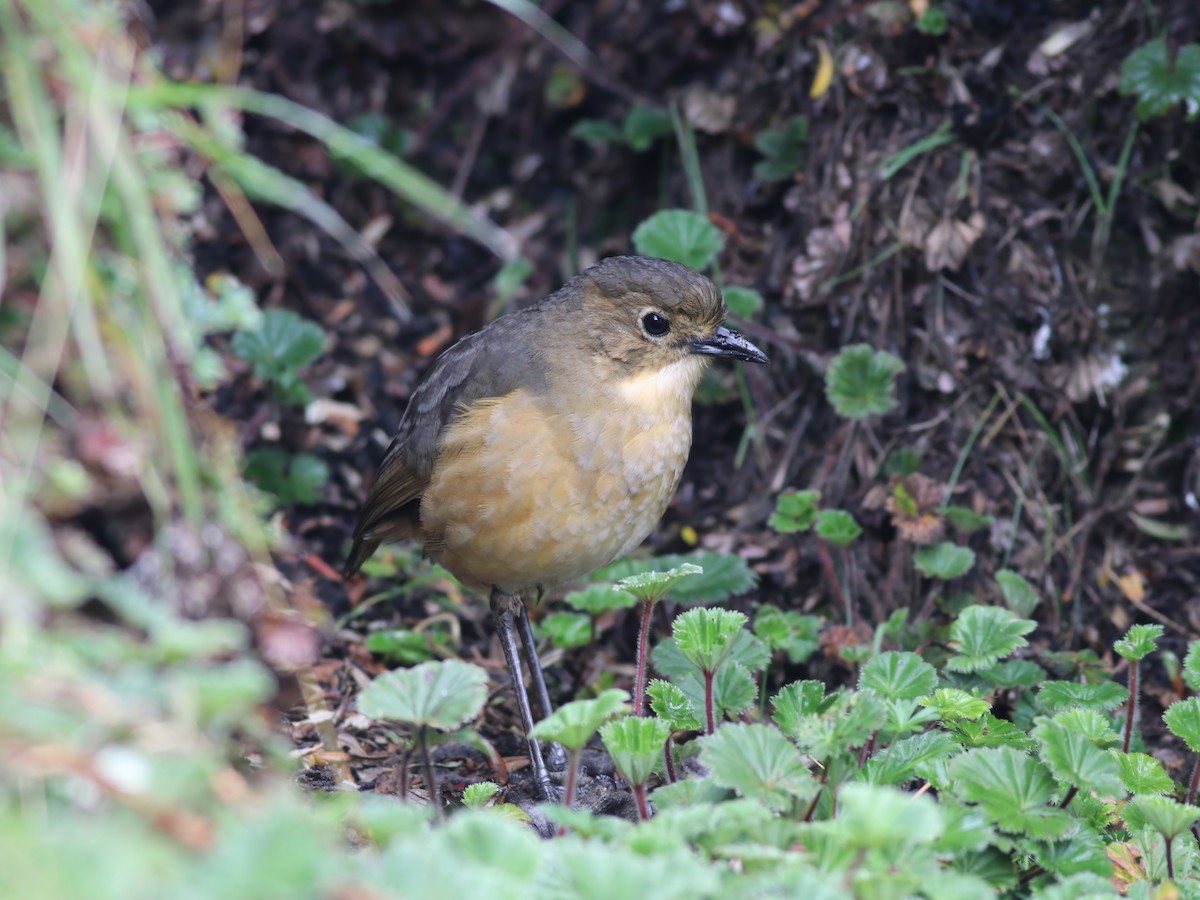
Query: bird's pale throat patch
{"points": [[667, 386]]}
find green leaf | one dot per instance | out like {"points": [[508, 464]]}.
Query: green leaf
{"points": [[837, 527], [291, 479], [1015, 673], [897, 763], [1164, 815], [1149, 74], [599, 598], [1191, 666], [477, 795], [898, 676], [797, 701], [933, 22], [743, 302], [635, 745], [797, 635], [984, 634], [597, 131], [568, 630], [1074, 760], [964, 520], [795, 511], [1139, 642], [705, 636], [644, 125], [1092, 725], [1019, 595], [1183, 718], [405, 647], [1142, 774], [944, 560], [1014, 789], [989, 731], [861, 382], [680, 235], [1056, 695], [872, 816], [672, 706], [574, 723], [441, 694], [759, 763], [953, 703], [782, 149], [724, 575], [284, 342], [653, 586]]}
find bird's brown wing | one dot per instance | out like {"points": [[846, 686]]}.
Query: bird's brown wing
{"points": [[491, 363]]}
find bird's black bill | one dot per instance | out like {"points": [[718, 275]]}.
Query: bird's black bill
{"points": [[730, 344]]}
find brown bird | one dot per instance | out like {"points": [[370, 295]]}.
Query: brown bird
{"points": [[550, 442]]}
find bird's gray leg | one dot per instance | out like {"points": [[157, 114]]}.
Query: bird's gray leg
{"points": [[505, 608], [556, 756]]}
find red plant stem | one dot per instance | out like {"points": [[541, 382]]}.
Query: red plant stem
{"points": [[669, 757], [639, 694], [834, 584], [867, 749], [1070, 796], [710, 719], [1133, 689], [639, 794], [572, 777], [1170, 858], [812, 808], [1194, 783], [403, 774]]}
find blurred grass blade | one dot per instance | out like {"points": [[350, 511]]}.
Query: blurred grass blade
{"points": [[565, 42], [408, 183]]}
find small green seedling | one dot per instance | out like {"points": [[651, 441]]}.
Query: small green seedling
{"points": [[861, 382], [1159, 82], [1139, 642], [705, 637], [642, 126], [290, 478], [671, 705], [1165, 816], [635, 744], [283, 345], [573, 725], [782, 149], [440, 695], [650, 587]]}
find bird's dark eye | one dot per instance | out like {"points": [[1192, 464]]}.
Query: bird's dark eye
{"points": [[655, 325]]}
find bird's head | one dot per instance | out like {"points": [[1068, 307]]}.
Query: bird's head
{"points": [[650, 314]]}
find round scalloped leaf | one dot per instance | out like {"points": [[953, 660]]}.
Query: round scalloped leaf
{"points": [[985, 634], [679, 235], [1183, 718], [1139, 642], [861, 382], [442, 694], [1162, 814], [944, 560], [574, 723], [705, 636], [759, 763], [653, 586], [1013, 788], [635, 745], [1148, 74], [899, 676]]}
